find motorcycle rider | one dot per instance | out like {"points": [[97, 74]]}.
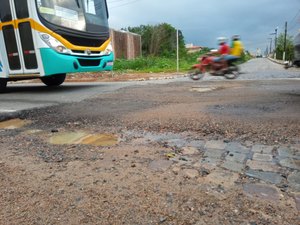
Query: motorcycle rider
{"points": [[210, 58], [224, 51]]}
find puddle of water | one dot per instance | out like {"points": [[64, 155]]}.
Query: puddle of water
{"points": [[84, 138], [100, 140], [66, 138], [13, 124]]}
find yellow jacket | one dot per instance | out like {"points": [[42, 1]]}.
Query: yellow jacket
{"points": [[237, 48]]}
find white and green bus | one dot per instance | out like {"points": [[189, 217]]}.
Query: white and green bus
{"points": [[48, 38]]}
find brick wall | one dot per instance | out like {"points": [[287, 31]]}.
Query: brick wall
{"points": [[126, 45]]}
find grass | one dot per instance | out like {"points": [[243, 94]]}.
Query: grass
{"points": [[151, 64]]}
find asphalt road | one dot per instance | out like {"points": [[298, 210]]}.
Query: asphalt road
{"points": [[23, 96]]}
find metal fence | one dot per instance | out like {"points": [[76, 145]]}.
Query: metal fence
{"points": [[126, 45]]}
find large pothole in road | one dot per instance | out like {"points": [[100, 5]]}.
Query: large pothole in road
{"points": [[81, 137], [202, 89], [13, 124]]}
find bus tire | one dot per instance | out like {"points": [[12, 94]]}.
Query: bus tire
{"points": [[54, 80], [3, 83]]}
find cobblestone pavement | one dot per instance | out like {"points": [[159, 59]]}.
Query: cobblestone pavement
{"points": [[266, 170]]}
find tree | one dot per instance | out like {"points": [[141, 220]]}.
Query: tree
{"points": [[289, 54], [159, 40]]}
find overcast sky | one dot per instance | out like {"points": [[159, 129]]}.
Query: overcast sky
{"points": [[202, 21]]}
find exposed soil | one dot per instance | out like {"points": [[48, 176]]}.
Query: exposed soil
{"points": [[119, 76]]}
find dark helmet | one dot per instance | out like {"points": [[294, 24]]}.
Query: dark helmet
{"points": [[236, 37]]}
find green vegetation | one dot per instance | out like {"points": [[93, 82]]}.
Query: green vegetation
{"points": [[159, 49], [157, 64], [245, 57], [159, 40], [289, 47]]}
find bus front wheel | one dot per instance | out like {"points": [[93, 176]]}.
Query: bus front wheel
{"points": [[54, 80], [3, 83]]}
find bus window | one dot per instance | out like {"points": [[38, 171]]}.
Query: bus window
{"points": [[63, 13], [5, 12], [82, 15], [95, 14], [21, 9]]}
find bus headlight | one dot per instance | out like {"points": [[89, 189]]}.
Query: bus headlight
{"points": [[108, 50], [54, 44]]}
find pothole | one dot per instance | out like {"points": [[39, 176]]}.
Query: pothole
{"points": [[13, 124], [202, 89], [84, 138]]}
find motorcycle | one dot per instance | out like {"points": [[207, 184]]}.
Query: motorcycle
{"points": [[207, 63]]}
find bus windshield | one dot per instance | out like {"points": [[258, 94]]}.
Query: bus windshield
{"points": [[82, 15]]}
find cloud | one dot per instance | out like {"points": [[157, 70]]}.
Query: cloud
{"points": [[203, 21]]}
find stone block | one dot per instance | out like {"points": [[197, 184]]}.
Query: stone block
{"points": [[262, 191], [236, 157], [262, 157], [263, 166], [214, 153], [215, 145], [233, 166], [285, 152], [290, 163], [271, 177], [237, 147], [263, 149], [294, 181]]}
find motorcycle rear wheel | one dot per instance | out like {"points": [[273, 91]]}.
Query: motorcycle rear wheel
{"points": [[232, 75], [195, 74]]}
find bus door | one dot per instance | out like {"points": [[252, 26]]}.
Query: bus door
{"points": [[18, 37]]}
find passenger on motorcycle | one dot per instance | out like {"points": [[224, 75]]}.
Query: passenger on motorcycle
{"points": [[236, 49]]}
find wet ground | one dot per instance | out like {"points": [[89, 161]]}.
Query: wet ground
{"points": [[209, 152]]}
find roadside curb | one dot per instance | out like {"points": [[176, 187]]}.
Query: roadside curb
{"points": [[281, 62]]}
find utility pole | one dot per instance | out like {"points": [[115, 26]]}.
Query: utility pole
{"points": [[177, 45], [270, 50], [284, 44], [275, 42]]}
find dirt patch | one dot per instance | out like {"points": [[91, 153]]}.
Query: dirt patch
{"points": [[119, 76]]}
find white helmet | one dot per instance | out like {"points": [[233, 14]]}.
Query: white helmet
{"points": [[222, 40]]}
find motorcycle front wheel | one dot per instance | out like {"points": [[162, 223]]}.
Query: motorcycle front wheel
{"points": [[195, 74]]}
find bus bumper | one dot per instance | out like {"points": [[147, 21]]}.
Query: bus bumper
{"points": [[55, 63]]}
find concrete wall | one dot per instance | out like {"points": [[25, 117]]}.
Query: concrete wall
{"points": [[126, 45]]}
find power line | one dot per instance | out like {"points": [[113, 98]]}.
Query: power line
{"points": [[292, 28], [128, 3], [115, 1], [295, 16]]}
